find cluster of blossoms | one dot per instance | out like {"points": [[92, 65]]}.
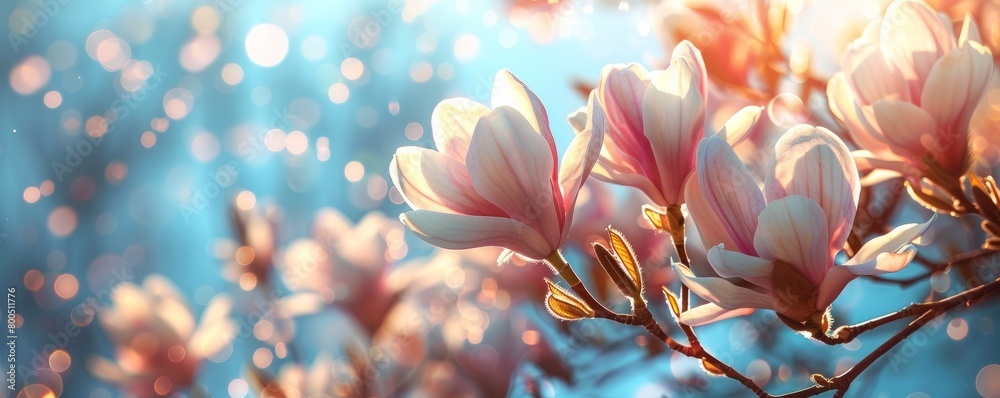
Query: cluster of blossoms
{"points": [[494, 180], [906, 95], [765, 235]]}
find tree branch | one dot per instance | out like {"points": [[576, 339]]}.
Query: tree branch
{"points": [[928, 311]]}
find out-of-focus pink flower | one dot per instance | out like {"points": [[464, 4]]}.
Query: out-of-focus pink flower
{"points": [[735, 53], [158, 346], [654, 122], [909, 87], [783, 240], [347, 264], [493, 180]]}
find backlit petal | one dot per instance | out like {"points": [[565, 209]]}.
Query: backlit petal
{"points": [[452, 123], [730, 190], [433, 181], [793, 229], [673, 112], [580, 158], [722, 292], [812, 162], [840, 276], [708, 313], [457, 232], [509, 165]]}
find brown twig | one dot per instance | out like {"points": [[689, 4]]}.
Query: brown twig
{"points": [[927, 311], [644, 318]]}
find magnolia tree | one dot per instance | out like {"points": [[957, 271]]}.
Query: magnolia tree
{"points": [[901, 109]]}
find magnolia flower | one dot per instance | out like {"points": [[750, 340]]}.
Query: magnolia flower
{"points": [[654, 122], [157, 343], [782, 240], [493, 179], [909, 88], [347, 264]]}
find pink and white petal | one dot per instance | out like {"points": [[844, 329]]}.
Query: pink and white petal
{"points": [[708, 313], [738, 127], [912, 38], [904, 125], [710, 228], [969, 32], [794, 230], [612, 172], [508, 164], [844, 107], [458, 232], [508, 90], [578, 119], [730, 264], [891, 242], [433, 181], [620, 92], [689, 53], [452, 123], [950, 100], [731, 191], [673, 112], [869, 75], [579, 159], [722, 292], [839, 276], [812, 162]]}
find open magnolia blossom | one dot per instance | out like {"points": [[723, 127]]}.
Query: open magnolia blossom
{"points": [[782, 240], [493, 180], [908, 90], [158, 345], [654, 122]]}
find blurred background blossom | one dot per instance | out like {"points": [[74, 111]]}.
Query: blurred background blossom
{"points": [[196, 199]]}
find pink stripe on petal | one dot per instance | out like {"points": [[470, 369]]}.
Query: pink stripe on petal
{"points": [[620, 92], [433, 181], [812, 162], [912, 38], [509, 166], [731, 191], [869, 76], [673, 113], [793, 229], [844, 107], [508, 90], [709, 226]]}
